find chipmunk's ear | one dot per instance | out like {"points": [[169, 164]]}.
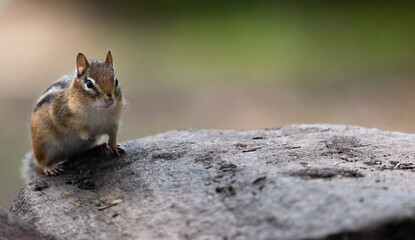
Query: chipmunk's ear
{"points": [[82, 64], [108, 58]]}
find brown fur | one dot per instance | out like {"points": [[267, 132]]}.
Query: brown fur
{"points": [[76, 115]]}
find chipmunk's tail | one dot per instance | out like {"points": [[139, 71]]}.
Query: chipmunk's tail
{"points": [[30, 170]]}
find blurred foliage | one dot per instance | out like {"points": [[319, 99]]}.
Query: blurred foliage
{"points": [[272, 42]]}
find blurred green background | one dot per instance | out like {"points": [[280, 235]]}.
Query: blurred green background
{"points": [[212, 64]]}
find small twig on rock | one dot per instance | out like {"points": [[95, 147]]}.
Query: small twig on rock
{"points": [[362, 145], [305, 164], [113, 203], [251, 150], [397, 165]]}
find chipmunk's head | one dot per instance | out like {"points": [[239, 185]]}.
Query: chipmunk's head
{"points": [[96, 83]]}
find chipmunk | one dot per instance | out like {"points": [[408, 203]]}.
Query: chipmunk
{"points": [[73, 114]]}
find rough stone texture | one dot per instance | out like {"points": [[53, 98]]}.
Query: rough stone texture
{"points": [[294, 182], [12, 227]]}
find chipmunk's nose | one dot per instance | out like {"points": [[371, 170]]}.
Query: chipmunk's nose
{"points": [[109, 100]]}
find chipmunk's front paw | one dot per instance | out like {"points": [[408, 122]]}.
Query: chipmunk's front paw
{"points": [[117, 150]]}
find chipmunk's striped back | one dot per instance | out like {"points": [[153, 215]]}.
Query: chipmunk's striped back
{"points": [[53, 90]]}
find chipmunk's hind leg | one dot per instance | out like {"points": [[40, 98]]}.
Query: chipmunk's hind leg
{"points": [[54, 169]]}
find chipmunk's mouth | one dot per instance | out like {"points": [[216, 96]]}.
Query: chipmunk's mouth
{"points": [[106, 104]]}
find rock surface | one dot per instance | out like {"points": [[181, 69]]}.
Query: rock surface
{"points": [[12, 227], [293, 182]]}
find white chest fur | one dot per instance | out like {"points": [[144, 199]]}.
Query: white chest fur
{"points": [[100, 121]]}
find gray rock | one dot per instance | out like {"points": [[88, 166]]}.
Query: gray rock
{"points": [[294, 182], [12, 227]]}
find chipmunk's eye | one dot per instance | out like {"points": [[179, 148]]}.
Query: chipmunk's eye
{"points": [[89, 84], [116, 82]]}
